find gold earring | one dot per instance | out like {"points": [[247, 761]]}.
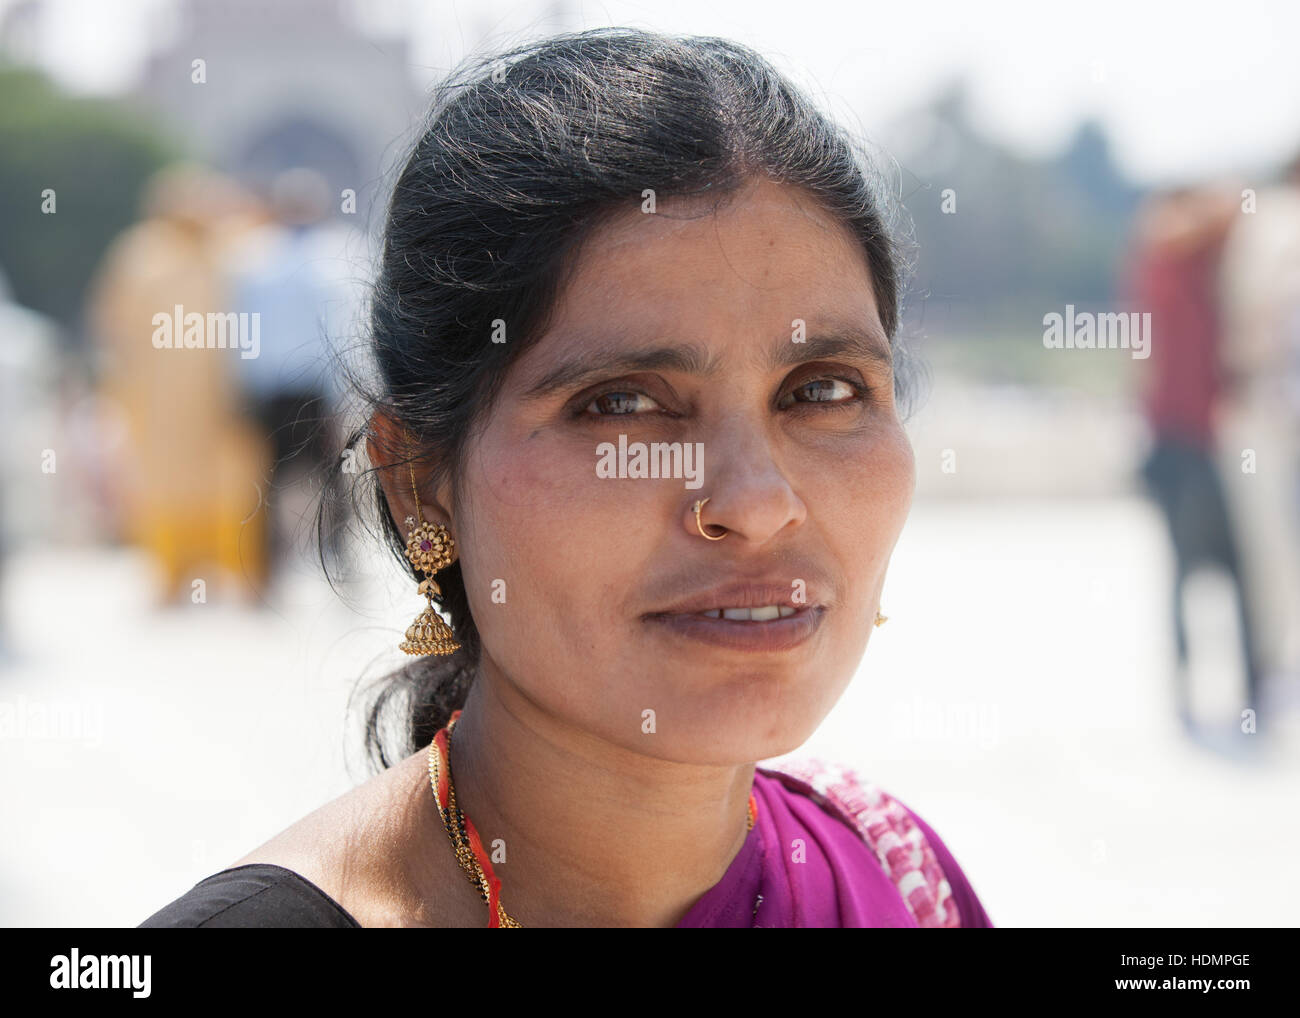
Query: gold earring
{"points": [[699, 505], [429, 547], [881, 619]]}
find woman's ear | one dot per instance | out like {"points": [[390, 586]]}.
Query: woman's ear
{"points": [[390, 448]]}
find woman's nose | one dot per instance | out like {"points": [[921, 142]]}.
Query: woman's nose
{"points": [[748, 491]]}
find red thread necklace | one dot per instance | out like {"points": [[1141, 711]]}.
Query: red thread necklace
{"points": [[465, 837]]}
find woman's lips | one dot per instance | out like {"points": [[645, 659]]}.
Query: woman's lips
{"points": [[769, 635]]}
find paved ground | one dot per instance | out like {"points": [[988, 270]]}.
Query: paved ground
{"points": [[1018, 699]]}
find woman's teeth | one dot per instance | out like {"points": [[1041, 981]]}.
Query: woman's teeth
{"points": [[764, 614]]}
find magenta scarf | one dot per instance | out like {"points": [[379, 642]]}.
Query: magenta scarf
{"points": [[830, 850]]}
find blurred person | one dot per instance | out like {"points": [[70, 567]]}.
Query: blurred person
{"points": [[658, 637], [1173, 273], [288, 271], [191, 465], [29, 376], [1261, 412]]}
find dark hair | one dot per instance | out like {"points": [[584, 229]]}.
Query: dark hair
{"points": [[523, 154]]}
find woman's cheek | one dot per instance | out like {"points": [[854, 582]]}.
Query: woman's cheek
{"points": [[872, 481], [534, 471], [907, 471], [546, 524], [889, 471]]}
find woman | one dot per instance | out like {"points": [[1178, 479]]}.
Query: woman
{"points": [[617, 240]]}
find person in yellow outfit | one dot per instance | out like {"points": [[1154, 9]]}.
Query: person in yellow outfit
{"points": [[194, 467]]}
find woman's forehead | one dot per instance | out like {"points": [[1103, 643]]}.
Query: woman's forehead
{"points": [[761, 208], [770, 250]]}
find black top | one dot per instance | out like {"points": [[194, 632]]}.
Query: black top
{"points": [[256, 895]]}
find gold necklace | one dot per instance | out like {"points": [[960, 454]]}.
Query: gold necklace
{"points": [[461, 831], [464, 837]]}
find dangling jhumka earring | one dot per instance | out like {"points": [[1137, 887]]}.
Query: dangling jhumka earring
{"points": [[429, 547]]}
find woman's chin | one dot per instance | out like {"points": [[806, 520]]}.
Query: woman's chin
{"points": [[729, 739]]}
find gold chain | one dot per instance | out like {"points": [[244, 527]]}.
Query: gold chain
{"points": [[453, 821], [416, 492]]}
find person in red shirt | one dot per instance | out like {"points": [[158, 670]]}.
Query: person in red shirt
{"points": [[1173, 274]]}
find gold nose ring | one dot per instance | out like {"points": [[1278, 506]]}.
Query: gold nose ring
{"points": [[699, 505]]}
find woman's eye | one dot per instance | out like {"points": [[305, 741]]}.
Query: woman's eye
{"points": [[619, 402], [630, 402], [823, 390]]}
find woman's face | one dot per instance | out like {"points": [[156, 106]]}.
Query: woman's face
{"points": [[582, 585]]}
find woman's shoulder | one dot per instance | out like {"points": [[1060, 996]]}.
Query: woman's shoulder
{"points": [[262, 895], [323, 870], [918, 862]]}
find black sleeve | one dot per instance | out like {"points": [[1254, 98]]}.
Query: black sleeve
{"points": [[258, 895]]}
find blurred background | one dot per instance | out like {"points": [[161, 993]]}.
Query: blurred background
{"points": [[1090, 682]]}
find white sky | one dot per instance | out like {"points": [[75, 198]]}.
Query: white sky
{"points": [[1216, 89]]}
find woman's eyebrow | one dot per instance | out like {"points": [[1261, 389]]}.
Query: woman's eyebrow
{"points": [[867, 344]]}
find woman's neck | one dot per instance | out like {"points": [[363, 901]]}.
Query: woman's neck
{"points": [[594, 834]]}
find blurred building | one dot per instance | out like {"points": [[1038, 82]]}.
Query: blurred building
{"points": [[287, 84]]}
